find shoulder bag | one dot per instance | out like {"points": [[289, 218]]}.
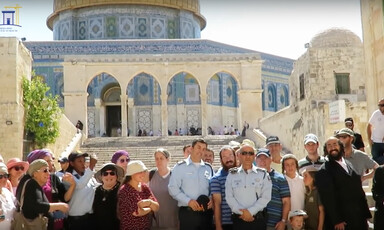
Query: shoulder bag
{"points": [[19, 221]]}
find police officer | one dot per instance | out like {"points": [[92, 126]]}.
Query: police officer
{"points": [[247, 191], [189, 185]]}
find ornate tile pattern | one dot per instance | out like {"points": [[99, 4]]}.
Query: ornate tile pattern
{"points": [[96, 28], [82, 30], [111, 27], [158, 29], [144, 119], [65, 30], [127, 27], [142, 28], [186, 29]]}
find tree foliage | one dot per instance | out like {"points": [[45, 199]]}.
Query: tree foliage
{"points": [[42, 112]]}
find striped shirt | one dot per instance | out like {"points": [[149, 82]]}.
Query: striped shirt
{"points": [[217, 184], [280, 189]]}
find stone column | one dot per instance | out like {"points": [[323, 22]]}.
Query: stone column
{"points": [[164, 114], [250, 106], [132, 117], [101, 115], [124, 115], [203, 97]]}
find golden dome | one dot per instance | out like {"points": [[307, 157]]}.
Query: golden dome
{"points": [[188, 5]]}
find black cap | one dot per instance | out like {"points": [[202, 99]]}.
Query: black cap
{"points": [[75, 155], [63, 160], [263, 151], [203, 200], [273, 140]]}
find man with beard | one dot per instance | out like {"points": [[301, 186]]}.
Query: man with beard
{"points": [[248, 190], [341, 192], [361, 162], [222, 212]]}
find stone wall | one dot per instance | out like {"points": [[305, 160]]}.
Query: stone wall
{"points": [[373, 36], [291, 127], [313, 87], [15, 62], [67, 134]]}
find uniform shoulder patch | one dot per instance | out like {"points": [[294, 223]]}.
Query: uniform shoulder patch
{"points": [[233, 170]]}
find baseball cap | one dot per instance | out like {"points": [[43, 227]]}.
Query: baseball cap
{"points": [[345, 131], [72, 156], [263, 151], [63, 160], [310, 138], [273, 140], [297, 213]]}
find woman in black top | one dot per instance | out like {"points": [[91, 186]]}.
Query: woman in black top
{"points": [[105, 202], [35, 202]]}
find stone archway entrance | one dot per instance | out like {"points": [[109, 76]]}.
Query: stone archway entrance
{"points": [[113, 120]]}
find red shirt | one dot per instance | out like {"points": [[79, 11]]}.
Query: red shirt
{"points": [[128, 198]]}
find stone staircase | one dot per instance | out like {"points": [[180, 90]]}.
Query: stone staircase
{"points": [[143, 148]]}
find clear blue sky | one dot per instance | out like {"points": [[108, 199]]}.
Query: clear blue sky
{"points": [[279, 27]]}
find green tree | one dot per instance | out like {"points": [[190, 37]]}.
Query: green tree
{"points": [[42, 112]]}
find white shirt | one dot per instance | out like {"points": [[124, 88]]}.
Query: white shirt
{"points": [[343, 164], [377, 122], [7, 202], [82, 198], [297, 189]]}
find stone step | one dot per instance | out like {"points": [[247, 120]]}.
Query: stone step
{"points": [[143, 148]]}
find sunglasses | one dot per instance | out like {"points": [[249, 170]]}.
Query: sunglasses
{"points": [[343, 136], [4, 176], [44, 170], [17, 168], [381, 105], [250, 153], [112, 173], [124, 160]]}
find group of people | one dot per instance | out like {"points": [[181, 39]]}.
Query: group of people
{"points": [[256, 188]]}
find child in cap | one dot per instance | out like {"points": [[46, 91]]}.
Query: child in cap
{"points": [[296, 219]]}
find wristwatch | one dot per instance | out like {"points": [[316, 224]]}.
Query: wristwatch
{"points": [[283, 220]]}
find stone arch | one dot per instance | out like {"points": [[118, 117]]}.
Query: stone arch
{"points": [[283, 96], [144, 104], [222, 102], [184, 103], [271, 98], [104, 116]]}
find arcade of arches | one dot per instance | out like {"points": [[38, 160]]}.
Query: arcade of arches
{"points": [[143, 104], [119, 101]]}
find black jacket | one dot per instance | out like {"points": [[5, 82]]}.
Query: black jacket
{"points": [[342, 196]]}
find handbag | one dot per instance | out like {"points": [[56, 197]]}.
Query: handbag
{"points": [[19, 221]]}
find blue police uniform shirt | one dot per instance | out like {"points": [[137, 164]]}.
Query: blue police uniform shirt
{"points": [[248, 189], [189, 180]]}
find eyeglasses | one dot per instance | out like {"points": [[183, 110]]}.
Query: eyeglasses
{"points": [[381, 105], [4, 176], [106, 173], [44, 170], [17, 168], [250, 153], [124, 160]]}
